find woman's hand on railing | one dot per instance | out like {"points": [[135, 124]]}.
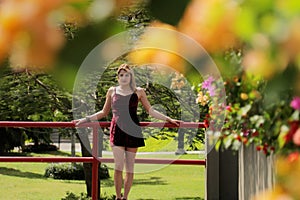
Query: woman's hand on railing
{"points": [[77, 122], [174, 121]]}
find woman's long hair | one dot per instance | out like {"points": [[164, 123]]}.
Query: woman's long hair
{"points": [[128, 69]]}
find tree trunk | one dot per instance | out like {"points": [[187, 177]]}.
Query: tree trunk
{"points": [[86, 151]]}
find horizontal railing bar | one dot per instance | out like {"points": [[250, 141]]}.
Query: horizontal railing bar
{"points": [[45, 159], [100, 159], [170, 161], [41, 124]]}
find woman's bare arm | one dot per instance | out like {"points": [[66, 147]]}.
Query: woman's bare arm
{"points": [[151, 111], [102, 113]]}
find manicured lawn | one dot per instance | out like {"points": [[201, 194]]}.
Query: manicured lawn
{"points": [[165, 181], [25, 181], [20, 181]]}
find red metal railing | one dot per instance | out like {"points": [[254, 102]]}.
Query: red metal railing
{"points": [[95, 160]]}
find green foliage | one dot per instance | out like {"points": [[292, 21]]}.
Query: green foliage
{"points": [[255, 114], [39, 148], [72, 196], [175, 10], [135, 17], [82, 196], [82, 40], [65, 171], [27, 96], [73, 171], [11, 138]]}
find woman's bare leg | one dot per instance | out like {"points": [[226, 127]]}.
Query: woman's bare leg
{"points": [[119, 154], [130, 154]]}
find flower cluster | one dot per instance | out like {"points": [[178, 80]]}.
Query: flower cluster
{"points": [[289, 138], [202, 99], [207, 90], [209, 86], [178, 82], [26, 31], [211, 96], [272, 127]]}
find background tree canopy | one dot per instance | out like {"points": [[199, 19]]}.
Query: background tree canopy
{"points": [[28, 96]]}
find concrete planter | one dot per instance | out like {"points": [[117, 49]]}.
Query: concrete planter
{"points": [[238, 175], [256, 172]]}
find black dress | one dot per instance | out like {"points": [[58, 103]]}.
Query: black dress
{"points": [[125, 129]]}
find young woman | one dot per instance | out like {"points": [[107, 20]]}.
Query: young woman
{"points": [[125, 132]]}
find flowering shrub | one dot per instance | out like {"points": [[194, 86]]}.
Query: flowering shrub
{"points": [[253, 116], [289, 138], [260, 115]]}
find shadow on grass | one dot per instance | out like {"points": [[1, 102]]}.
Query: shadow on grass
{"points": [[50, 153], [107, 182], [14, 154], [151, 181], [58, 153], [18, 173], [46, 153]]}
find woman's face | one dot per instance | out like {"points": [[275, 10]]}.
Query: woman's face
{"points": [[124, 78]]}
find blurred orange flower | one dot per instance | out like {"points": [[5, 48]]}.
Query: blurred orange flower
{"points": [[244, 96], [296, 137], [30, 33], [208, 23], [155, 47]]}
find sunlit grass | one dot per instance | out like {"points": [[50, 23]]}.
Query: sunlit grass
{"points": [[27, 181], [166, 182]]}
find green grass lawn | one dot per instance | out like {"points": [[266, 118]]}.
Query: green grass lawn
{"points": [[25, 181], [165, 181]]}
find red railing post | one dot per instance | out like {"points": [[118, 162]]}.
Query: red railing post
{"points": [[95, 164]]}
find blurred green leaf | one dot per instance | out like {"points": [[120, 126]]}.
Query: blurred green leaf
{"points": [[75, 51], [246, 24], [228, 141], [168, 11], [258, 6], [295, 116], [289, 8], [244, 110], [281, 138]]}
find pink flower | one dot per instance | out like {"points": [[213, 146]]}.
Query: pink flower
{"points": [[296, 137], [228, 108], [208, 84], [295, 103]]}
